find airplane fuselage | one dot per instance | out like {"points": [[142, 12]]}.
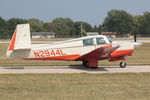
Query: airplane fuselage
{"points": [[72, 49], [88, 49]]}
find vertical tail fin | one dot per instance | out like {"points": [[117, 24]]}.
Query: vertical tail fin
{"points": [[21, 38]]}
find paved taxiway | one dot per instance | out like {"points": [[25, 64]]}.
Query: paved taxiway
{"points": [[72, 69]]}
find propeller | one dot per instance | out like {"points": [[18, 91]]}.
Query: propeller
{"points": [[135, 37]]}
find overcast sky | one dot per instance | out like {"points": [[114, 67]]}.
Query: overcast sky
{"points": [[91, 11]]}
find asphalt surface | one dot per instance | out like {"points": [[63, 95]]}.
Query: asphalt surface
{"points": [[72, 69]]}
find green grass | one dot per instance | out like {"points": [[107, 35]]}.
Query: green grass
{"points": [[62, 39], [140, 57], [132, 38], [129, 86], [125, 86]]}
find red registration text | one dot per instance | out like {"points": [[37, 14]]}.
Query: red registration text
{"points": [[48, 53]]}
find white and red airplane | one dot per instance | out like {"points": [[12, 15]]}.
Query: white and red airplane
{"points": [[87, 49]]}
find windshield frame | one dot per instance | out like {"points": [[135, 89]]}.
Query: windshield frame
{"points": [[109, 39]]}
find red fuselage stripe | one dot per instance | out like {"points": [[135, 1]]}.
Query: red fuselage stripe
{"points": [[119, 53], [66, 57], [113, 55]]}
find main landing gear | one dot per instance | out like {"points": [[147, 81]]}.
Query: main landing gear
{"points": [[123, 64], [85, 64]]}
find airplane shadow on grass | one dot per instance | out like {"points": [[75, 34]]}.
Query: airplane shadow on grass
{"points": [[18, 67], [80, 67]]}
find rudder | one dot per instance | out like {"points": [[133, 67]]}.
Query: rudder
{"points": [[21, 38]]}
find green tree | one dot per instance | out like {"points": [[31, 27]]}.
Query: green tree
{"points": [[118, 21], [100, 28], [95, 29], [12, 23], [87, 28], [63, 27], [144, 24], [36, 25], [138, 19], [49, 27], [4, 33]]}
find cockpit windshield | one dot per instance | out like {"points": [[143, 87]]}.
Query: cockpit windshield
{"points": [[100, 40]]}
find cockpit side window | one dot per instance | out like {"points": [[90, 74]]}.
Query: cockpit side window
{"points": [[100, 40], [88, 42]]}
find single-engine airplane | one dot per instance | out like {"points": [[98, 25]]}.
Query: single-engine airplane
{"points": [[87, 49]]}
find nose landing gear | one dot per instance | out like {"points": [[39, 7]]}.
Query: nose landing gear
{"points": [[123, 64]]}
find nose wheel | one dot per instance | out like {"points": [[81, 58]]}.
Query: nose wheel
{"points": [[123, 64]]}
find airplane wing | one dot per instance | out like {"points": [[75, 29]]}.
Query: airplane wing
{"points": [[98, 53]]}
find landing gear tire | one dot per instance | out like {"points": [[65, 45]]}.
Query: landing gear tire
{"points": [[85, 63], [123, 64]]}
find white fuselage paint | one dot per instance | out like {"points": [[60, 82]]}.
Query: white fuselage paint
{"points": [[69, 47]]}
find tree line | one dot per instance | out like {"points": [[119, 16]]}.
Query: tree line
{"points": [[118, 21]]}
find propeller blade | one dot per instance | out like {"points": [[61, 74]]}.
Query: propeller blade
{"points": [[134, 37], [137, 44]]}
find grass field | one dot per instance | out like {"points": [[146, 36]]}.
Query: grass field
{"points": [[140, 57], [129, 86], [40, 39], [124, 86], [62, 39]]}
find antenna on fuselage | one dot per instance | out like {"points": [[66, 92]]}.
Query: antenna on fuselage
{"points": [[82, 30]]}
